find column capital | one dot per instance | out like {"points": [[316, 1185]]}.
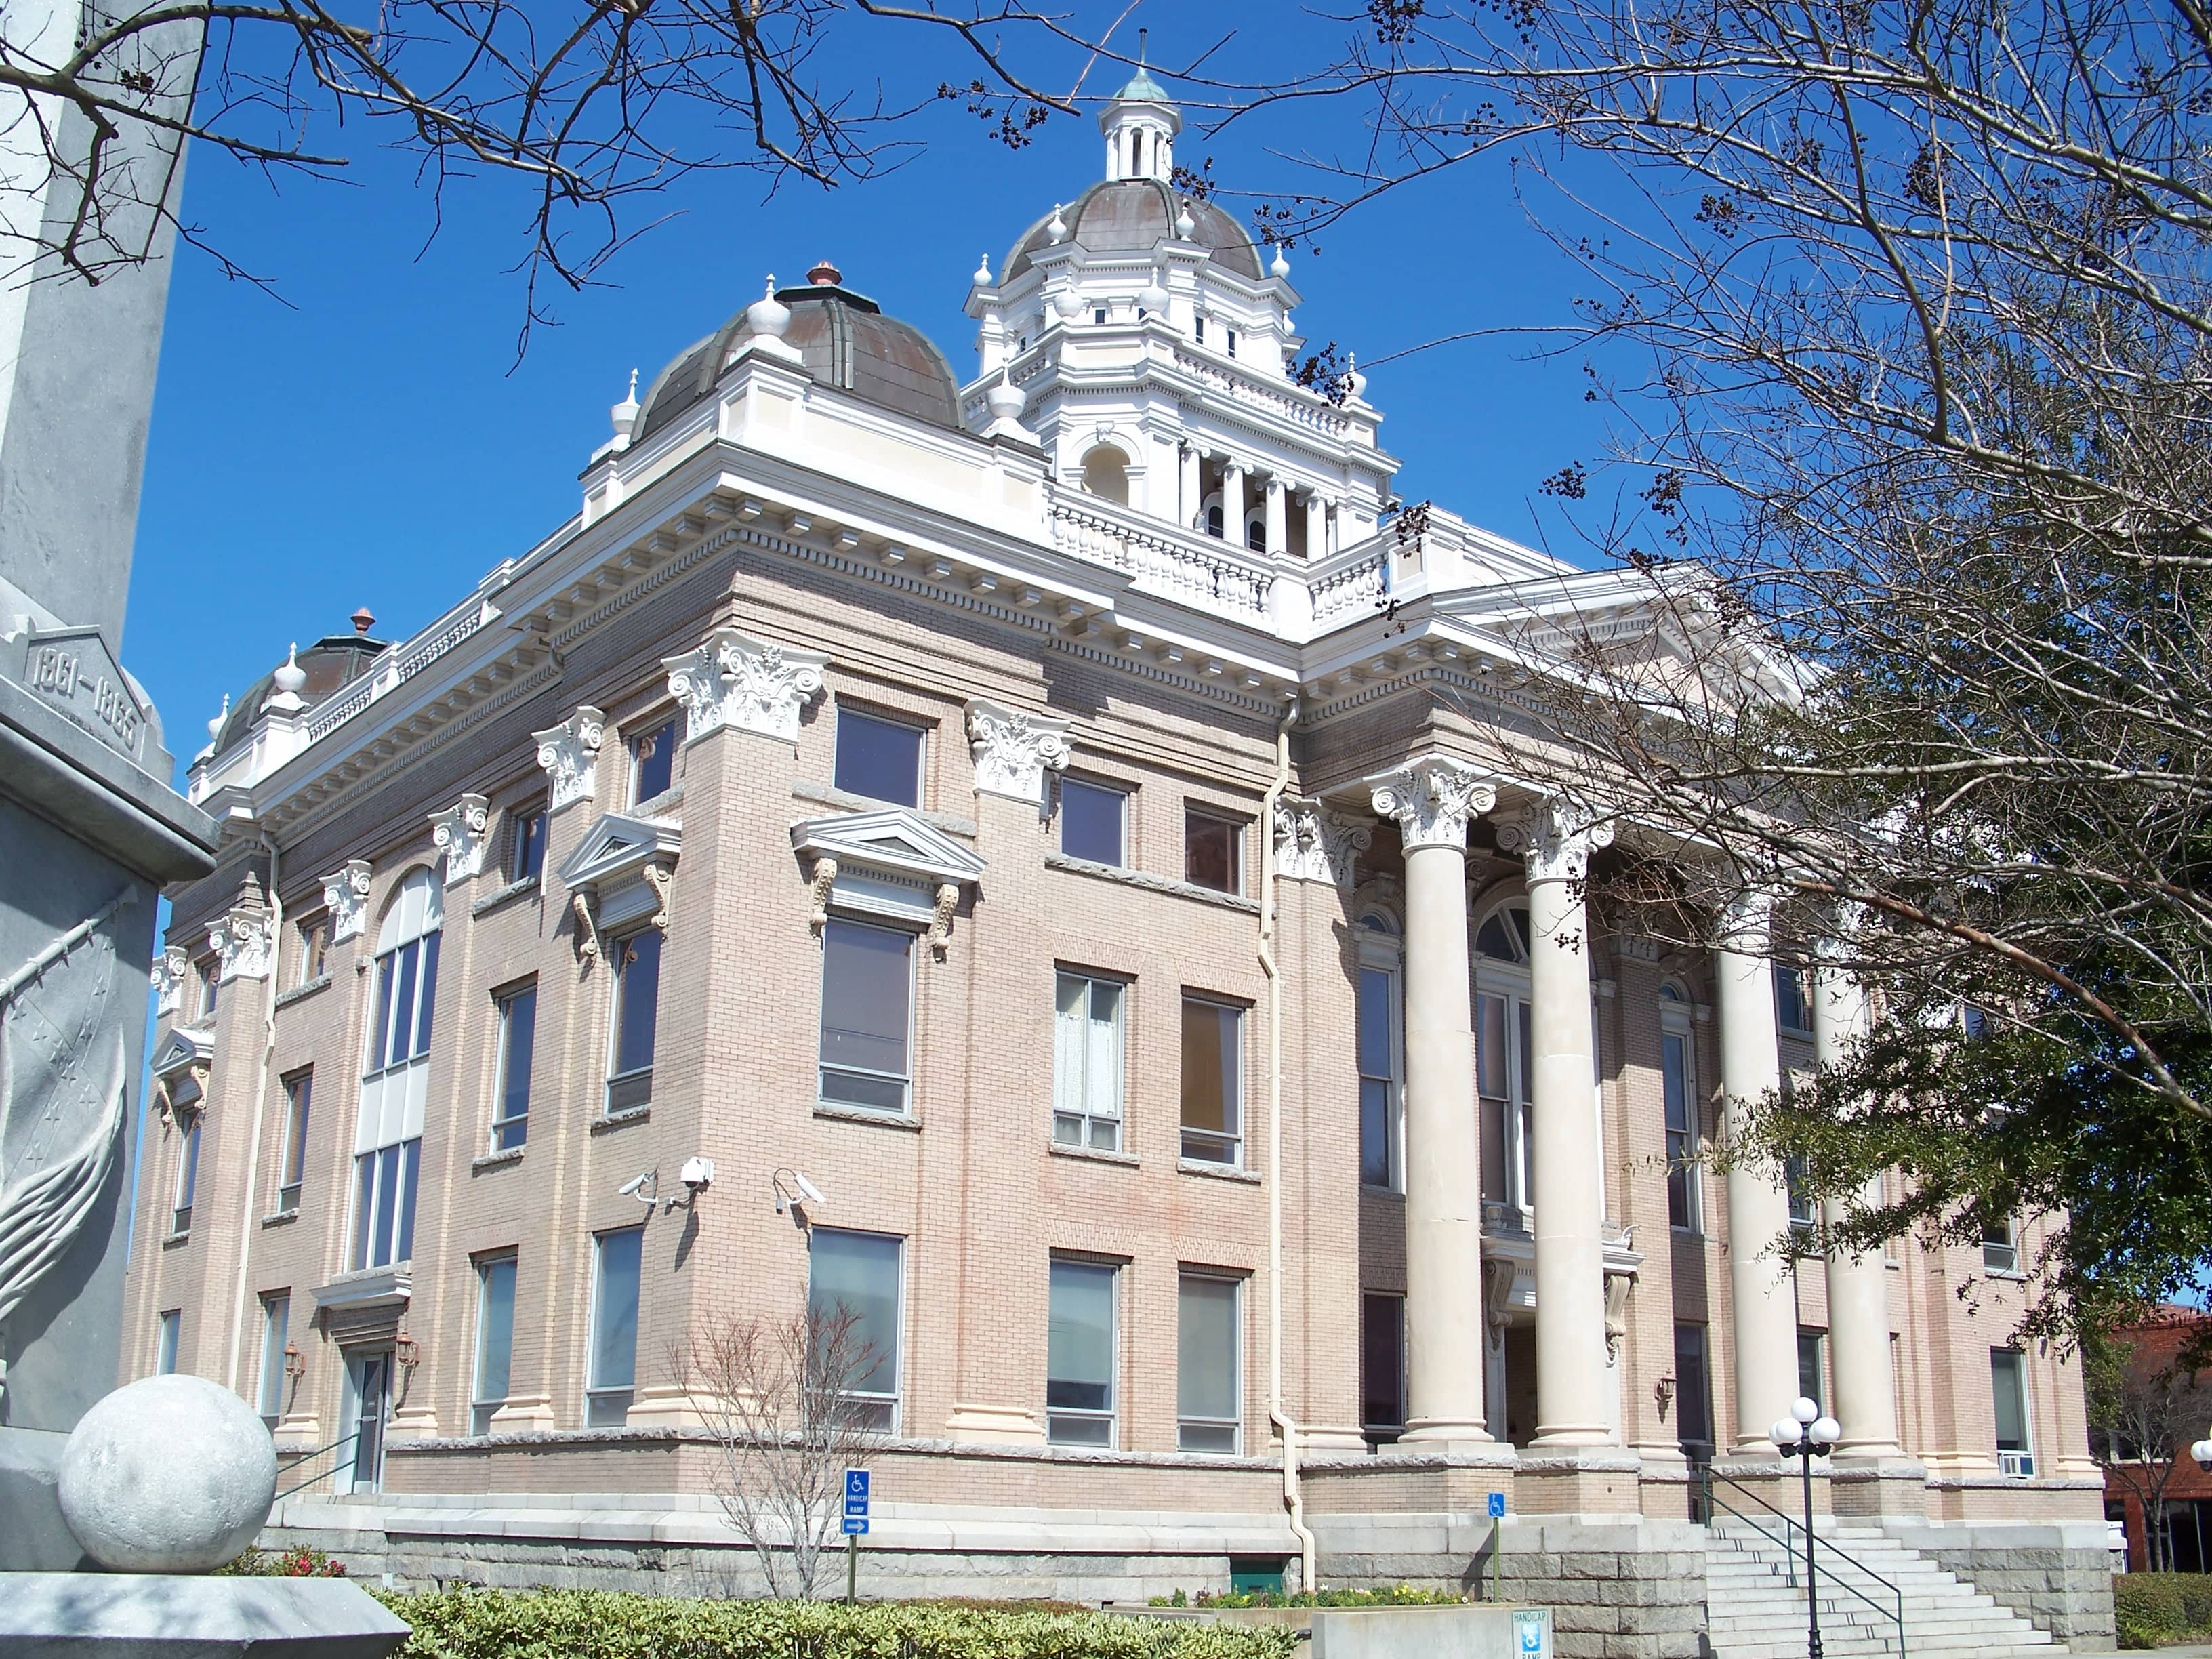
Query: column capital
{"points": [[1315, 843], [1014, 749], [345, 890], [1555, 834], [1431, 799], [170, 969], [1748, 919], [570, 752], [734, 680], [244, 939], [461, 832]]}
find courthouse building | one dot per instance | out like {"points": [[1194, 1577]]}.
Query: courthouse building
{"points": [[1043, 842]]}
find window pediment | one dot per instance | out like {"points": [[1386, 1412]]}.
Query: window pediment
{"points": [[889, 862], [620, 871], [183, 1049]]}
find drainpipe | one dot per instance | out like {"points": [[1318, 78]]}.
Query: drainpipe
{"points": [[246, 1220], [1293, 1499]]}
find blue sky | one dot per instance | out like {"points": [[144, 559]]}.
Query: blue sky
{"points": [[367, 438]]}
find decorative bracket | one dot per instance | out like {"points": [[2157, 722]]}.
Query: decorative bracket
{"points": [[825, 878], [1617, 1287], [658, 878], [940, 927], [587, 927]]}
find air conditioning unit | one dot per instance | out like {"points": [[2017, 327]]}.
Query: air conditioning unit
{"points": [[2017, 1465]]}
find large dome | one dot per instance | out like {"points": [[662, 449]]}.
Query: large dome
{"points": [[1129, 216], [843, 340]]}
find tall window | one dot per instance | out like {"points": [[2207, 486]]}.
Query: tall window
{"points": [[1093, 822], [292, 1158], [495, 1337], [636, 1018], [2009, 1394], [613, 1377], [878, 758], [1811, 1374], [1804, 1217], [275, 1319], [1792, 1011], [388, 1139], [1382, 1366], [2001, 1247], [867, 1008], [1213, 1081], [208, 970], [1693, 1393], [652, 762], [1209, 1409], [518, 1034], [1377, 1048], [1212, 850], [1502, 1050], [188, 1177], [853, 1283], [525, 841], [1086, 1062], [1080, 1349], [1684, 1194], [315, 949], [165, 1340]]}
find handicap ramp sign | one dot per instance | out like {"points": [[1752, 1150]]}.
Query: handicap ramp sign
{"points": [[1531, 1633]]}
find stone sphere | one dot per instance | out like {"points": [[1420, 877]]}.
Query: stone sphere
{"points": [[168, 1474]]}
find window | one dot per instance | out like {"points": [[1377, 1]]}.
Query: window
{"points": [[1213, 1081], [1685, 1194], [315, 949], [1255, 534], [1098, 314], [652, 762], [518, 1034], [1804, 1217], [210, 970], [2009, 1393], [276, 1318], [292, 1159], [525, 841], [1207, 1412], [853, 1283], [1232, 342], [1079, 1348], [1378, 1077], [1211, 846], [2000, 1247], [188, 1178], [1199, 334], [1792, 1012], [878, 758], [1382, 1366], [1093, 822], [636, 1016], [388, 1138], [619, 1256], [1810, 1369], [1503, 1046], [165, 1340], [867, 1005], [495, 1332], [1086, 1062], [1693, 1394], [1214, 520]]}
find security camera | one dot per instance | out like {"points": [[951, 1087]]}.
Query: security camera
{"points": [[698, 1174], [636, 1186], [807, 1189], [794, 1203]]}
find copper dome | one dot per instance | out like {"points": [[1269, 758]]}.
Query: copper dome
{"points": [[1129, 216]]}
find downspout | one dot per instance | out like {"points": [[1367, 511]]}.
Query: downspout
{"points": [[1293, 1500], [245, 1221]]}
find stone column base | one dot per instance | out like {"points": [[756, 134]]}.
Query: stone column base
{"points": [[666, 1408], [1578, 1480], [1892, 1485], [524, 1413], [1316, 1440], [994, 1425], [295, 1436], [412, 1423]]}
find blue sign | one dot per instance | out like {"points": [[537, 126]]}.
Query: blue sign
{"points": [[856, 1526], [1498, 1506], [856, 1485], [1530, 1630]]}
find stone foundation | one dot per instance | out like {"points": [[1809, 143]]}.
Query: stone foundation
{"points": [[2055, 1574]]}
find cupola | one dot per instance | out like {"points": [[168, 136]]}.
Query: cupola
{"points": [[1140, 124]]}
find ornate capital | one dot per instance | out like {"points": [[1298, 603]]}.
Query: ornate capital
{"points": [[1314, 843], [736, 680], [1557, 836], [570, 753], [1748, 921], [460, 833], [346, 891], [1014, 749], [170, 969], [1431, 799], [244, 939]]}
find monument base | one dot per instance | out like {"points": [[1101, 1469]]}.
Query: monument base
{"points": [[121, 1615]]}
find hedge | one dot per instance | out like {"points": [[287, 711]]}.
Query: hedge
{"points": [[2150, 1609], [480, 1623]]}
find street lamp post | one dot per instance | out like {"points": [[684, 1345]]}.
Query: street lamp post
{"points": [[1806, 1434]]}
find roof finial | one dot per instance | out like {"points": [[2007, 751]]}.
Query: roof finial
{"points": [[1141, 34], [1058, 228], [1281, 265], [982, 279], [215, 726], [633, 386]]}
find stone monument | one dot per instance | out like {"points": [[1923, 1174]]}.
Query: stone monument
{"points": [[89, 829]]}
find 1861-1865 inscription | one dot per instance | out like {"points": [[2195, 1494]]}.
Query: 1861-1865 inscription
{"points": [[73, 672]]}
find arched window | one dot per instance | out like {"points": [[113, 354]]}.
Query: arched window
{"points": [[1380, 1045], [396, 1075], [1213, 521], [1256, 532], [1106, 472], [1677, 1087], [1503, 1053]]}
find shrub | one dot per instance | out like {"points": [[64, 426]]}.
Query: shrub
{"points": [[476, 1624], [299, 1562], [2152, 1608], [1393, 1595]]}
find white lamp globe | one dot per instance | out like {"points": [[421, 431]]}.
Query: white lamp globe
{"points": [[1785, 1432], [1805, 1409], [1827, 1431], [2202, 1451]]}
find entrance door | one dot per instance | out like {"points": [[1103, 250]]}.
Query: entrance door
{"points": [[369, 1387]]}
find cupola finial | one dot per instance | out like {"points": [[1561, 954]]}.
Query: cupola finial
{"points": [[982, 276]]}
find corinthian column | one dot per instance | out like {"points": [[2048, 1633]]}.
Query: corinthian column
{"points": [[1764, 1333], [1558, 838], [1430, 799]]}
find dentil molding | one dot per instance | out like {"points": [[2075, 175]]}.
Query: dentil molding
{"points": [[570, 753], [1431, 799], [346, 892], [1014, 749], [736, 680], [461, 831], [1313, 842]]}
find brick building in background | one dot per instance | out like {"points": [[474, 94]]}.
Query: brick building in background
{"points": [[887, 783], [2157, 1347]]}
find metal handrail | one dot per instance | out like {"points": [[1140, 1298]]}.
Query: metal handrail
{"points": [[309, 1457], [1707, 1480]]}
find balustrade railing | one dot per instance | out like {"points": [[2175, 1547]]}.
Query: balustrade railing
{"points": [[1158, 561]]}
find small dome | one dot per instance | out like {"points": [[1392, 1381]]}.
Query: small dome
{"points": [[1129, 216], [325, 668], [843, 340]]}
